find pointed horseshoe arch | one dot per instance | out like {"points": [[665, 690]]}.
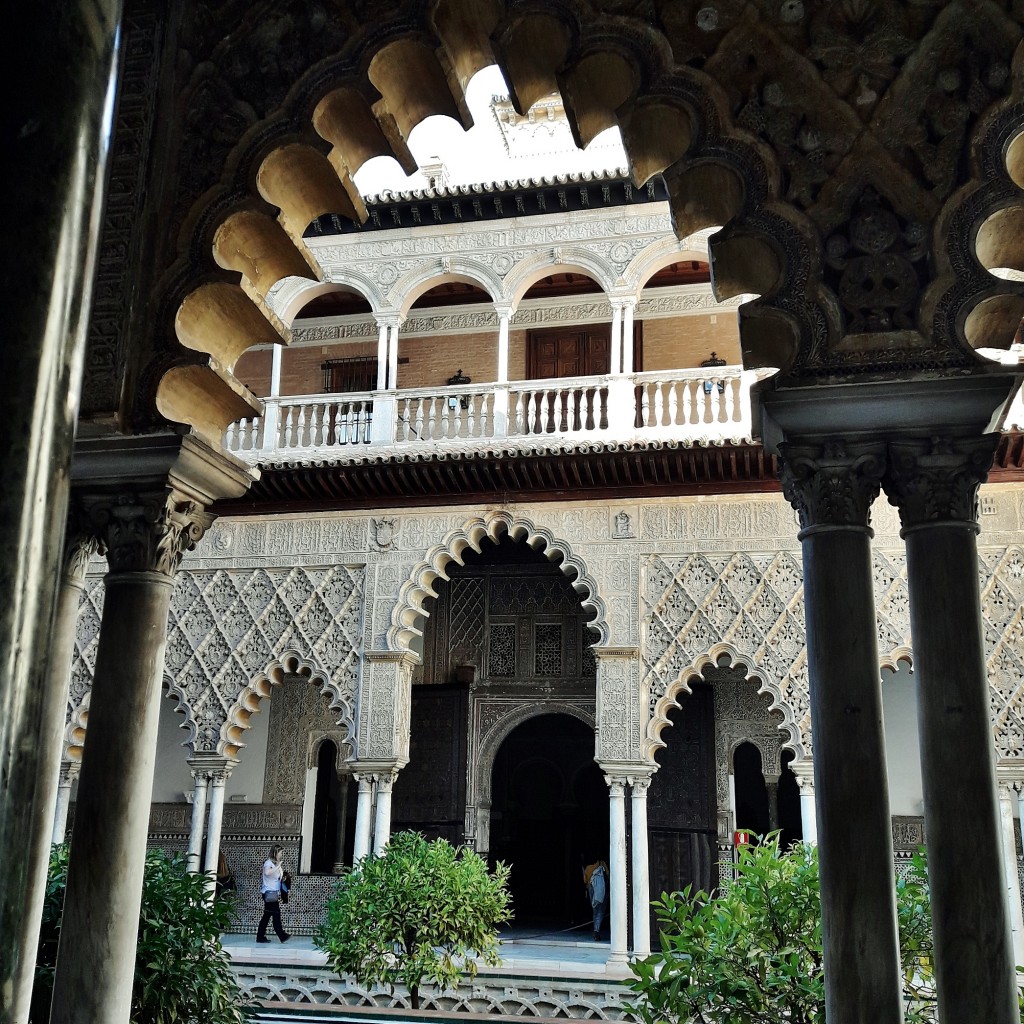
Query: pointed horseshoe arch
{"points": [[728, 655], [291, 663]]}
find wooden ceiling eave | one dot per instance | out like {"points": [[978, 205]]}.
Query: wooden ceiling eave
{"points": [[600, 475]]}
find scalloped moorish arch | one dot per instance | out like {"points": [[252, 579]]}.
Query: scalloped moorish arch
{"points": [[569, 258], [727, 655], [409, 608], [418, 282], [897, 656]]}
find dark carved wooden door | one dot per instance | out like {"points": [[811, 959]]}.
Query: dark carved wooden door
{"points": [[430, 796], [682, 813]]}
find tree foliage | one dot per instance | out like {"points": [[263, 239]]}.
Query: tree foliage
{"points": [[422, 910], [182, 973], [752, 953]]}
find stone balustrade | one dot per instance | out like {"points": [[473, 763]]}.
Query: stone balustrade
{"points": [[690, 406]]}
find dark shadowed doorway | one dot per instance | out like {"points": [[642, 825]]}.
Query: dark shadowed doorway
{"points": [[549, 812]]}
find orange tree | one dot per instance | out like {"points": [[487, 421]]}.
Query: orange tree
{"points": [[751, 953], [421, 910]]}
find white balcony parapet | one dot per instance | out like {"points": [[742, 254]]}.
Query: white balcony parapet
{"points": [[699, 406]]}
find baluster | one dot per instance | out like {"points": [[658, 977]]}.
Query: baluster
{"points": [[587, 396], [289, 423], [416, 418], [522, 414], [673, 404], [300, 426], [708, 389], [471, 417], [659, 403], [230, 435], [325, 424], [339, 435], [731, 404], [254, 426], [686, 416], [645, 405], [314, 426]]}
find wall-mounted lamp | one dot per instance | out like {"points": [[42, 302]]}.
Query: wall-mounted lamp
{"points": [[711, 362], [457, 378]]}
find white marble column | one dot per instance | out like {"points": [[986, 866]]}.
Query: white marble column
{"points": [[805, 782], [218, 779], [1007, 799], [364, 815], [504, 320], [615, 351], [628, 308], [641, 867], [393, 355], [382, 355], [382, 815], [617, 869], [271, 416], [68, 774], [200, 788]]}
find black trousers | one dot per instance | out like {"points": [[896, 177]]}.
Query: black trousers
{"points": [[271, 912]]}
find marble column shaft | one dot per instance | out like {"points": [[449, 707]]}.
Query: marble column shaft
{"points": [[95, 959], [382, 816], [832, 486], [218, 781], [641, 868], [146, 535], [934, 483], [198, 826], [364, 815], [55, 173], [617, 870], [68, 774]]}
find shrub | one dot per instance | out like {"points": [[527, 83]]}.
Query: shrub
{"points": [[752, 953], [420, 910], [182, 973]]}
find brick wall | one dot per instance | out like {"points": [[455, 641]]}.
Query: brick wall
{"points": [[668, 344]]}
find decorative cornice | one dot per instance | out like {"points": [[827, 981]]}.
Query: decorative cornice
{"points": [[147, 531], [937, 479], [832, 484]]}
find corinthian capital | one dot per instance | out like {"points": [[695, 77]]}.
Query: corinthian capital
{"points": [[937, 479], [148, 531], [833, 483]]}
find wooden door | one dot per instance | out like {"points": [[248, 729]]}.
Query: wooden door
{"points": [[682, 809]]}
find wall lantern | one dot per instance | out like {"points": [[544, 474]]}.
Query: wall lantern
{"points": [[457, 378], [709, 384]]}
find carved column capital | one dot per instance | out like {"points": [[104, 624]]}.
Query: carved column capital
{"points": [[147, 531], [832, 484], [81, 542], [69, 772], [935, 480], [616, 785]]}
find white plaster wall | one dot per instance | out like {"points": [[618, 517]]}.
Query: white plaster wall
{"points": [[247, 778], [172, 778], [902, 750]]}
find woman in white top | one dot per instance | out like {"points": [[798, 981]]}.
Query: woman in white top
{"points": [[270, 887]]}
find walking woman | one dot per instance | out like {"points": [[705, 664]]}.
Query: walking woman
{"points": [[273, 872]]}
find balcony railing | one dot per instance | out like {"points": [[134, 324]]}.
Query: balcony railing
{"points": [[684, 405]]}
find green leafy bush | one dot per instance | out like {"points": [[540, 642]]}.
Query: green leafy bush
{"points": [[182, 973], [752, 954], [422, 910]]}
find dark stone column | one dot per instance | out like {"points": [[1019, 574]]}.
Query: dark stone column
{"points": [[832, 486], [146, 535], [934, 484], [54, 145]]}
